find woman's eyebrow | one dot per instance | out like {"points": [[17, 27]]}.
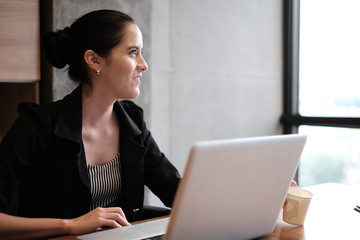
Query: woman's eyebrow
{"points": [[132, 47]]}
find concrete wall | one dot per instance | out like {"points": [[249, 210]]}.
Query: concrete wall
{"points": [[215, 67], [216, 71]]}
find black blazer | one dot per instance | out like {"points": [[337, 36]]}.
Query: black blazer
{"points": [[43, 170]]}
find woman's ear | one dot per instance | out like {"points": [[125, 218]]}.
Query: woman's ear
{"points": [[93, 60]]}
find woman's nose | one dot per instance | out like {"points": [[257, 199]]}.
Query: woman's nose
{"points": [[142, 64]]}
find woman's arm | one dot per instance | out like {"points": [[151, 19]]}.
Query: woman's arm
{"points": [[12, 227]]}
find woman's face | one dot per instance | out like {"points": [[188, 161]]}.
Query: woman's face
{"points": [[123, 68]]}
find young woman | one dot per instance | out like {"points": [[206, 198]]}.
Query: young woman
{"points": [[81, 163]]}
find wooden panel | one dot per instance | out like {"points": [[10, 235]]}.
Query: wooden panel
{"points": [[11, 94], [19, 40]]}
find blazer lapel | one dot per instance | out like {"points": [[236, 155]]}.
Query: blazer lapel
{"points": [[132, 153], [131, 149]]}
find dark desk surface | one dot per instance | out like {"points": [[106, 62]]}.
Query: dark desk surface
{"points": [[331, 215]]}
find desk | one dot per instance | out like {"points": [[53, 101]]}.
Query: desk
{"points": [[331, 215]]}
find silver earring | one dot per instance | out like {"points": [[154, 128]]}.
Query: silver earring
{"points": [[98, 72]]}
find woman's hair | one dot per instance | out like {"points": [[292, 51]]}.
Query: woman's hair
{"points": [[99, 31]]}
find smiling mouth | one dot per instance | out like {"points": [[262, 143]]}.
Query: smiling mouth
{"points": [[137, 79]]}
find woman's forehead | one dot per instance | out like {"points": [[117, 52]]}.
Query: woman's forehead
{"points": [[132, 35]]}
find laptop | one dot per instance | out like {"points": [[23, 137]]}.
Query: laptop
{"points": [[231, 189]]}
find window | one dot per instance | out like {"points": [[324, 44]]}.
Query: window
{"points": [[322, 87]]}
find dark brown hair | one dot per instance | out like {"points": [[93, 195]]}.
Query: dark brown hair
{"points": [[99, 31]]}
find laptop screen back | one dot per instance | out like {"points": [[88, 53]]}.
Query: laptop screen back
{"points": [[234, 188]]}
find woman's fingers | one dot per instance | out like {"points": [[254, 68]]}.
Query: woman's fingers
{"points": [[112, 214], [117, 218], [293, 184], [109, 223], [96, 219], [117, 214], [117, 210]]}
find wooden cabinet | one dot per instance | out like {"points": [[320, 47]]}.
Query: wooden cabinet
{"points": [[19, 41], [20, 57]]}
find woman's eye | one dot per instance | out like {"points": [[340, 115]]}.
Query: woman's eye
{"points": [[133, 52]]}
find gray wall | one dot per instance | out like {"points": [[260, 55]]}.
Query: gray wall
{"points": [[216, 71], [215, 68]]}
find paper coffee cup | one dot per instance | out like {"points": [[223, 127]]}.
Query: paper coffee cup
{"points": [[296, 205]]}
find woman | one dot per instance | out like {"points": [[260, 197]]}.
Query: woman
{"points": [[81, 163]]}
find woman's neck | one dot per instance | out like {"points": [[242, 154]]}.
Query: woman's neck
{"points": [[97, 109], [100, 128]]}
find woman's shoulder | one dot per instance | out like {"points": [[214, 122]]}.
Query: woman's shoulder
{"points": [[34, 110], [32, 120], [39, 115]]}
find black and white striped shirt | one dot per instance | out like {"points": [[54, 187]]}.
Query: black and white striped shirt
{"points": [[105, 183]]}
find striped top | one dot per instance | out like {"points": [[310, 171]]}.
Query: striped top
{"points": [[105, 183]]}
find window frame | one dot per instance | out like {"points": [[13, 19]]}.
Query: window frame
{"points": [[291, 118]]}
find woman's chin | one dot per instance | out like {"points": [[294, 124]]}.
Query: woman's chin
{"points": [[136, 94]]}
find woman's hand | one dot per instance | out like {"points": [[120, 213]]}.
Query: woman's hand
{"points": [[93, 221], [12, 227]]}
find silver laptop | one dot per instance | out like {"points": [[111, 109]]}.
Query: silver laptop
{"points": [[231, 189]]}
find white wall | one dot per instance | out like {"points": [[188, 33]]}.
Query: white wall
{"points": [[216, 71]]}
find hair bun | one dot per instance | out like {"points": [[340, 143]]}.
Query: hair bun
{"points": [[56, 47]]}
